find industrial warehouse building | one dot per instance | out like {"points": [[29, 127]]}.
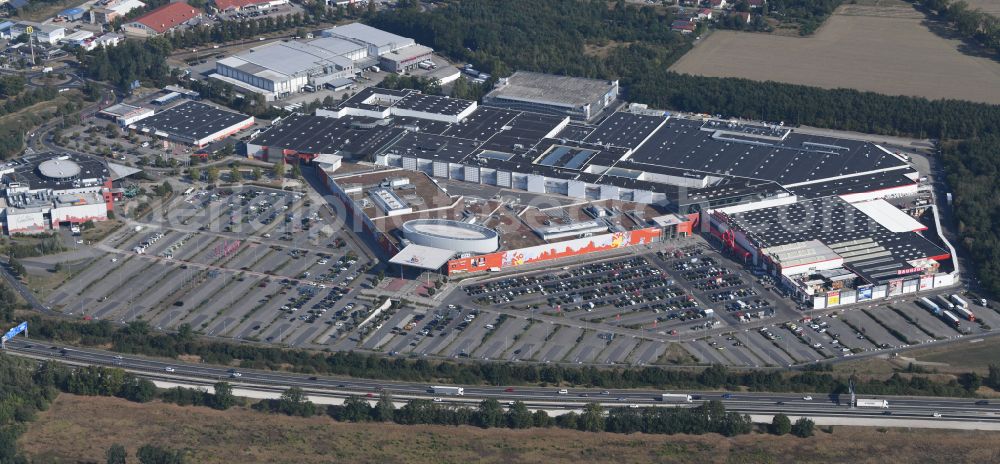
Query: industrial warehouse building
{"points": [[193, 123], [161, 20], [715, 171], [40, 192], [831, 252], [124, 114], [283, 68], [576, 97]]}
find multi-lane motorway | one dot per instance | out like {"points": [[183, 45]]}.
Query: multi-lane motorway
{"points": [[951, 410]]}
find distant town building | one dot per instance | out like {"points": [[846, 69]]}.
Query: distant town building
{"points": [[107, 12], [161, 20]]}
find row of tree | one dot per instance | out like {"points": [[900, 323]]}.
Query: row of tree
{"points": [[709, 417]]}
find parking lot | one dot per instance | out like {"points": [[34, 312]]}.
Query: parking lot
{"points": [[250, 263], [628, 310]]}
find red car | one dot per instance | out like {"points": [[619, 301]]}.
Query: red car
{"points": [[509, 390], [371, 395]]}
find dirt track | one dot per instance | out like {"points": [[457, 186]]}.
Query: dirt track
{"points": [[882, 49]]}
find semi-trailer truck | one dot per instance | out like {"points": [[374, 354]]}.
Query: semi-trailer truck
{"points": [[964, 313], [959, 302], [872, 403], [930, 306], [951, 319], [442, 390], [675, 398], [944, 303]]}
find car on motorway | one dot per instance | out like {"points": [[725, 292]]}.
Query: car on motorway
{"points": [[563, 392], [727, 396], [936, 414], [438, 400], [169, 369], [983, 402], [509, 389], [807, 398]]}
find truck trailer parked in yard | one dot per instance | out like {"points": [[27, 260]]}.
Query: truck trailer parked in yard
{"points": [[930, 306], [872, 403], [965, 314], [441, 390], [951, 319], [675, 398], [944, 302]]}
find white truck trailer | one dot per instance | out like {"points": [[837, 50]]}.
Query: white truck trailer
{"points": [[872, 403], [675, 398], [453, 391]]}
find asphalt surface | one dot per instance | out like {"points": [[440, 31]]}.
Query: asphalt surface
{"points": [[951, 409]]}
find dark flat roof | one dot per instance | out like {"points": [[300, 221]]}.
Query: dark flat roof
{"points": [[433, 104], [624, 129], [26, 170], [867, 247], [317, 134], [797, 158], [192, 119], [864, 183]]}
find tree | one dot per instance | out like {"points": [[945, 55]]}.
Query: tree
{"points": [[803, 427], [166, 188], [235, 174], [116, 454], [138, 390], [993, 378], [257, 174], [592, 419], [781, 424], [223, 398], [212, 174], [294, 403], [489, 414], [151, 454], [278, 171], [356, 409], [17, 267], [195, 174], [384, 409], [296, 171], [519, 417]]}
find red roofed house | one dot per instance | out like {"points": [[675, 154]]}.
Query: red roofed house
{"points": [[744, 16], [161, 20]]}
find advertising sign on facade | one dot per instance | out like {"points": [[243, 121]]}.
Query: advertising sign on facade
{"points": [[569, 248], [865, 293], [832, 298]]}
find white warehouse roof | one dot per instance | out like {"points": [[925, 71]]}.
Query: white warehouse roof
{"points": [[889, 216], [369, 35]]}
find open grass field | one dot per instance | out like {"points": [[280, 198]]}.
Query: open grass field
{"points": [[962, 357], [886, 49], [80, 429]]}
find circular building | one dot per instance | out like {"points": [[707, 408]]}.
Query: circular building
{"points": [[451, 235], [59, 169]]}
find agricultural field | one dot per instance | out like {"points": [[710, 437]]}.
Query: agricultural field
{"points": [[885, 49], [988, 6], [80, 429]]}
